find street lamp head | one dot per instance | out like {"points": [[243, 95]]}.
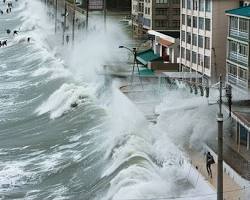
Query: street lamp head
{"points": [[121, 47]]}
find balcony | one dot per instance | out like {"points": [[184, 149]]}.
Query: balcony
{"points": [[239, 35], [236, 81], [238, 58]]}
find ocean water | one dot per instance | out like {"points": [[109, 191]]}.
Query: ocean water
{"points": [[67, 134]]}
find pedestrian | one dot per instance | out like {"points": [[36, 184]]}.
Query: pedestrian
{"points": [[0, 43], [1, 12], [4, 43], [28, 39], [8, 31], [209, 162], [7, 10], [15, 32], [67, 39]]}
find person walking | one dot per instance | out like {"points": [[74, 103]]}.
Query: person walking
{"points": [[209, 162]]}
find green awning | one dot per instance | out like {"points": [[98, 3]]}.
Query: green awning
{"points": [[146, 72], [147, 56], [242, 11]]}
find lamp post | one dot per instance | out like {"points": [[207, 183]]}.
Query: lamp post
{"points": [[55, 16], [73, 22], [134, 51]]}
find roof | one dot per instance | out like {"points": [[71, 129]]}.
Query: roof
{"points": [[243, 118], [174, 34], [146, 56], [171, 37], [242, 11]]}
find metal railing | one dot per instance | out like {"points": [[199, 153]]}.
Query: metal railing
{"points": [[238, 57], [233, 79], [239, 34]]}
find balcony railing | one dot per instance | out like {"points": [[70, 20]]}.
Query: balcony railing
{"points": [[239, 34], [239, 58], [234, 80]]}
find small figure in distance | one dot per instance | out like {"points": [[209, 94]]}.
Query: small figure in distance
{"points": [[28, 39], [4, 1], [0, 43], [4, 43], [15, 32], [1, 12], [209, 162], [8, 31], [7, 10], [67, 39]]}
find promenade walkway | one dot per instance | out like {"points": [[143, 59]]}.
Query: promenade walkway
{"points": [[232, 191]]}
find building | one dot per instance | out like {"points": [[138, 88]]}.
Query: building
{"points": [[203, 37], [156, 15], [238, 44]]}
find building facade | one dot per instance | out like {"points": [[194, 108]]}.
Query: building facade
{"points": [[155, 15], [238, 44], [203, 37]]}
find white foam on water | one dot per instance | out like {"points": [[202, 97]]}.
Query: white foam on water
{"points": [[62, 99]]}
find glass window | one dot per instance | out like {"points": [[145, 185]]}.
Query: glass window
{"points": [[243, 27], [201, 5], [183, 36], [194, 39], [242, 73], [189, 19], [195, 4], [183, 19], [232, 69], [194, 59], [188, 4], [194, 22], [207, 43], [200, 59], [207, 24], [188, 38], [234, 22], [243, 49], [208, 5], [201, 23], [183, 3], [187, 54], [200, 41], [182, 52], [207, 62]]}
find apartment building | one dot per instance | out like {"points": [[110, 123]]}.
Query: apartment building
{"points": [[238, 43], [157, 15], [203, 37]]}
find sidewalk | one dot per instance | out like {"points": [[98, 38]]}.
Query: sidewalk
{"points": [[231, 189]]}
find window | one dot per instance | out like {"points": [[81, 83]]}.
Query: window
{"points": [[161, 23], [183, 19], [233, 22], [183, 36], [243, 25], [194, 22], [200, 41], [183, 3], [182, 52], [201, 5], [161, 11], [189, 20], [243, 49], [232, 69], [242, 73], [200, 59], [207, 43], [207, 62], [195, 4], [187, 54], [161, 1], [207, 24], [194, 59], [232, 47], [188, 38], [208, 5], [188, 4], [194, 39], [201, 23]]}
